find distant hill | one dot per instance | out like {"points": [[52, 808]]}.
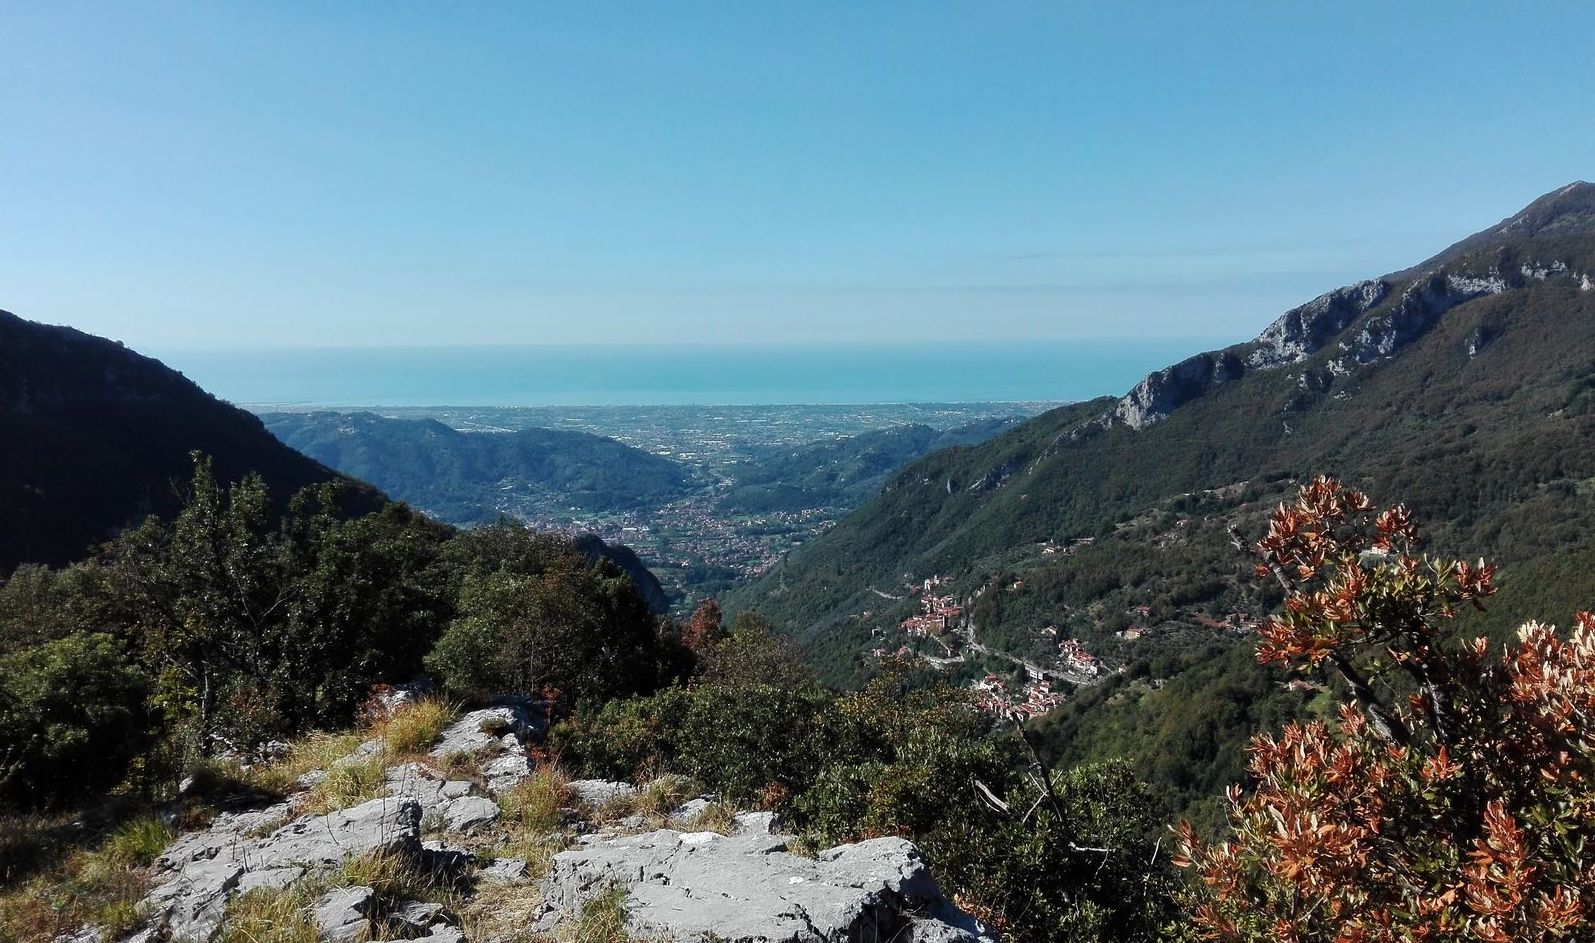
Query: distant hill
{"points": [[466, 477], [1464, 386], [842, 472], [94, 436]]}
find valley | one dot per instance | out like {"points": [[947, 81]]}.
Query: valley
{"points": [[708, 496]]}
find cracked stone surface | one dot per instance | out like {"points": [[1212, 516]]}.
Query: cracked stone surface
{"points": [[513, 722], [598, 792], [201, 872], [344, 913], [750, 889]]}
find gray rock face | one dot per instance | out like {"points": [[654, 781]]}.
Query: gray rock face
{"points": [[1420, 307], [1301, 332], [1392, 323], [600, 792], [1172, 387], [201, 872], [512, 722], [504, 871], [344, 913], [469, 813], [751, 889]]}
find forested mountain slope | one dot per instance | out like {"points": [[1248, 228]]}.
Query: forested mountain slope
{"points": [[462, 477], [94, 436], [843, 472], [1464, 387]]}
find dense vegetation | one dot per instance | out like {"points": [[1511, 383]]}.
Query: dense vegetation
{"points": [[843, 472], [232, 624], [465, 478], [96, 437]]}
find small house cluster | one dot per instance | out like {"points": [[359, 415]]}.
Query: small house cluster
{"points": [[1076, 658], [939, 614], [1035, 698]]}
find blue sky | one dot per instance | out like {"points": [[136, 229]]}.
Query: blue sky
{"points": [[306, 174]]}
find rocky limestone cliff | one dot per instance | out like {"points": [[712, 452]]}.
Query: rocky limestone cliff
{"points": [[1375, 319]]}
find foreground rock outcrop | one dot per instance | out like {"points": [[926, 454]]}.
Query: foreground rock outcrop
{"points": [[202, 871], [751, 888]]}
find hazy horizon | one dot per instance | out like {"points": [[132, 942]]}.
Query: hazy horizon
{"points": [[699, 374]]}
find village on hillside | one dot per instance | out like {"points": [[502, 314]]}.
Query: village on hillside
{"points": [[1031, 690]]}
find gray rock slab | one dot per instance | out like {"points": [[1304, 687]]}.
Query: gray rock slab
{"points": [[503, 871], [469, 813], [689, 811], [434, 792], [758, 823], [600, 792], [344, 913], [750, 889], [191, 902], [274, 879], [323, 841], [484, 730], [507, 772], [226, 832], [361, 753], [191, 894], [419, 917]]}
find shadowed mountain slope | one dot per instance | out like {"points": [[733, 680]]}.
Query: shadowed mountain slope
{"points": [[94, 436]]}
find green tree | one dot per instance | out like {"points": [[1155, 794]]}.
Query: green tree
{"points": [[571, 624], [72, 716]]}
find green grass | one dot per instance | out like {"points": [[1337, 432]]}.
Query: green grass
{"points": [[138, 842]]}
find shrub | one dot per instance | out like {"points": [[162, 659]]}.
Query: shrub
{"points": [[1465, 811], [72, 717], [576, 627]]}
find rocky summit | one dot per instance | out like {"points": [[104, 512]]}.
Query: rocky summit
{"points": [[333, 871], [751, 888]]}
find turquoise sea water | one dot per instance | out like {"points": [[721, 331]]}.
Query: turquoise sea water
{"points": [[986, 371]]}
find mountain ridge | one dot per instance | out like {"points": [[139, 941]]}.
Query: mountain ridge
{"points": [[1376, 381], [458, 475], [106, 435], [1431, 291]]}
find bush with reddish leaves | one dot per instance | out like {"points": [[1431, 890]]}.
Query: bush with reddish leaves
{"points": [[1464, 811]]}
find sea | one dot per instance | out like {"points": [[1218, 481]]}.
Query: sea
{"points": [[1036, 371]]}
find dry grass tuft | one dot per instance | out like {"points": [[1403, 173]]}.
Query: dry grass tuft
{"points": [[718, 817], [664, 794], [535, 805], [415, 726], [70, 887], [273, 916], [346, 785], [603, 919]]}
